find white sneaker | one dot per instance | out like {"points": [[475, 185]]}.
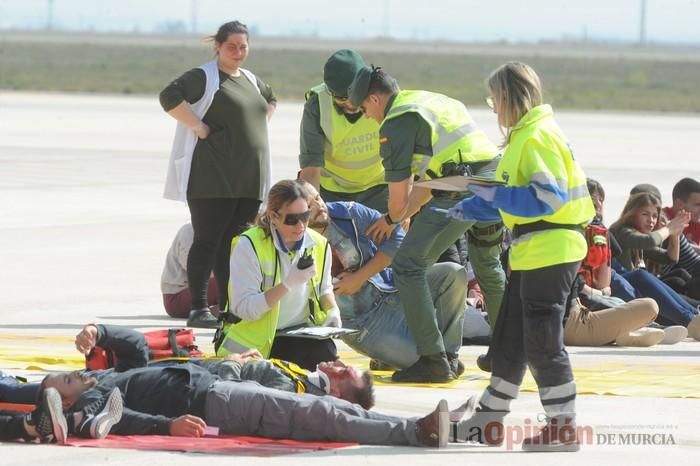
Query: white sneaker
{"points": [[111, 413], [694, 328], [642, 337], [674, 334]]}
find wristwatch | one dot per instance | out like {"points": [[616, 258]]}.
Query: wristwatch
{"points": [[389, 220]]}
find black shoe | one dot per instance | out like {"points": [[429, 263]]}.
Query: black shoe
{"points": [[483, 362], [100, 417], [377, 365], [202, 318], [433, 430], [559, 435], [431, 368], [456, 366], [48, 419]]}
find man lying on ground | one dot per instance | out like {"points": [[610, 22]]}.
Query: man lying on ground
{"points": [[131, 351], [182, 400]]}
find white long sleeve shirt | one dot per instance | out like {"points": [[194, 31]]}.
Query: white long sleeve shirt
{"points": [[248, 302], [174, 276]]}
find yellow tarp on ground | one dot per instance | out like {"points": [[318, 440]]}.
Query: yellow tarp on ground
{"points": [[613, 379], [609, 379]]}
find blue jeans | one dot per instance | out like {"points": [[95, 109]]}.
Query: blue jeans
{"points": [[673, 309], [384, 333]]}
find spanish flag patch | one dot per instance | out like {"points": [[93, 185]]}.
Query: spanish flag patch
{"points": [[383, 140]]}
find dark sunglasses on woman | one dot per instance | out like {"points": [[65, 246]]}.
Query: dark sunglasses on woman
{"points": [[293, 219]]}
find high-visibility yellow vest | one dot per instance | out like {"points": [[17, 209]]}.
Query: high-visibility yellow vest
{"points": [[454, 135], [351, 157], [538, 150], [299, 375], [259, 334]]}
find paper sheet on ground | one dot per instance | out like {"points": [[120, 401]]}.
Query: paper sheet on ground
{"points": [[317, 332]]}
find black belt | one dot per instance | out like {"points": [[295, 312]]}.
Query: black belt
{"points": [[489, 230], [541, 225], [228, 317], [454, 195], [452, 168]]}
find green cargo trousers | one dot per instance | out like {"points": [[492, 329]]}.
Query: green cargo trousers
{"points": [[429, 235]]}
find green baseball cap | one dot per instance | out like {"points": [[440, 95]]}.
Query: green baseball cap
{"points": [[357, 92], [340, 69]]}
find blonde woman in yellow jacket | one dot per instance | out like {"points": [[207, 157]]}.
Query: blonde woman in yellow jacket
{"points": [[545, 203]]}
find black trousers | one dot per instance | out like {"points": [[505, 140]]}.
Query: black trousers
{"points": [[215, 223], [530, 333], [11, 425], [304, 352]]}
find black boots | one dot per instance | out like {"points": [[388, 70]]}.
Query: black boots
{"points": [[433, 368], [456, 365], [483, 362], [202, 318]]}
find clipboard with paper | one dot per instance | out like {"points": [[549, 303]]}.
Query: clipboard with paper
{"points": [[316, 333], [457, 183]]}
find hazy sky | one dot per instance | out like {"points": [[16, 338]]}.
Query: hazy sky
{"points": [[462, 20]]}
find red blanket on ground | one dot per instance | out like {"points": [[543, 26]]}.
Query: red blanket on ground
{"points": [[221, 444], [217, 444]]}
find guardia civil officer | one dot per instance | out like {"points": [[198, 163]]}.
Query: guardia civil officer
{"points": [[428, 135], [339, 150]]}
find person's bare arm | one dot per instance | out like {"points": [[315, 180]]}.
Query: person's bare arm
{"points": [[351, 282], [184, 114], [187, 426], [312, 175], [418, 198], [399, 194]]}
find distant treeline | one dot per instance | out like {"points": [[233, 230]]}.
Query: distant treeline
{"points": [[587, 81]]}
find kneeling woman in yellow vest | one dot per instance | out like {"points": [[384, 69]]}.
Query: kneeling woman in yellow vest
{"points": [[271, 290]]}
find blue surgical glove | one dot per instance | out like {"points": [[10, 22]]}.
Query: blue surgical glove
{"points": [[456, 212], [487, 193]]}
